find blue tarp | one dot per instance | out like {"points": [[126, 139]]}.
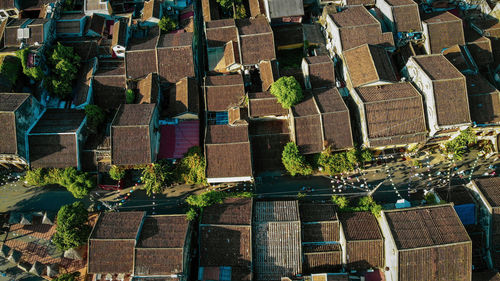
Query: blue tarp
{"points": [[466, 213]]}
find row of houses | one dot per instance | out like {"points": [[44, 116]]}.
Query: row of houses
{"points": [[244, 239]]}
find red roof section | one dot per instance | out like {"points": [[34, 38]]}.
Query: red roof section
{"points": [[177, 139]]}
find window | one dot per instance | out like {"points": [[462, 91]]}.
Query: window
{"points": [[218, 118]]}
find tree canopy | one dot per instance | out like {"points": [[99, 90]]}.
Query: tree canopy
{"points": [[226, 4], [117, 173], [95, 117], [191, 168], [167, 24], [362, 204], [157, 176], [64, 65], [34, 73], [71, 228], [334, 163], [76, 182], [459, 145], [288, 91], [294, 162], [129, 96]]}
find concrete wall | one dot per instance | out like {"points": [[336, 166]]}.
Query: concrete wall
{"points": [[390, 250], [26, 116]]}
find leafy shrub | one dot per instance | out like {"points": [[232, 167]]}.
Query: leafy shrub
{"points": [[167, 24], [157, 176], [71, 230], [76, 182], [129, 96], [341, 201], [363, 204], [34, 73], [301, 196], [293, 161], [241, 12], [191, 168], [95, 117], [191, 214], [288, 91], [339, 162], [459, 145], [226, 4], [64, 65], [117, 173], [67, 277]]}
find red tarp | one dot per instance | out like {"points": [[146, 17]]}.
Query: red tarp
{"points": [[177, 139]]}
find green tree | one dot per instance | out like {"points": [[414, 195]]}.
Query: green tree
{"points": [[240, 12], [95, 117], [341, 201], [191, 168], [117, 173], [366, 155], [67, 277], [226, 4], [64, 65], [76, 182], [294, 162], [129, 96], [288, 91], [72, 229], [167, 24], [157, 176], [10, 67], [459, 145], [34, 73]]}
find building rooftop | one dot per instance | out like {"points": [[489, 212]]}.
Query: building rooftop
{"points": [[121, 225], [489, 188], [184, 97], [426, 227], [223, 92], [56, 121], [233, 211], [264, 104], [9, 102], [274, 211], [321, 71], [353, 16], [310, 212], [134, 115], [367, 64], [360, 226], [484, 99], [163, 231]]}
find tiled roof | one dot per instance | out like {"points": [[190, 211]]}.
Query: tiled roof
{"points": [[163, 231], [119, 33], [134, 115], [484, 99], [217, 134], [109, 91], [68, 26], [148, 89], [228, 160], [444, 30], [321, 231], [457, 195], [219, 32], [151, 9], [222, 92], [426, 227], [158, 261], [175, 56], [118, 225], [393, 111], [360, 226], [457, 55], [86, 49], [353, 16], [288, 35], [83, 81], [363, 254], [406, 15], [184, 97], [479, 46], [130, 138], [321, 71], [227, 246], [275, 211], [55, 121], [277, 250], [317, 212], [368, 64], [285, 8], [269, 72], [256, 40], [111, 256], [264, 104], [8, 143], [10, 102], [236, 211], [490, 188], [322, 258], [53, 151]]}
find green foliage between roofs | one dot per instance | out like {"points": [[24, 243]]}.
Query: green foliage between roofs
{"points": [[64, 65], [129, 96], [34, 73], [430, 198], [226, 4], [157, 176], [288, 91], [363, 204], [191, 168], [117, 173], [71, 230], [167, 24], [76, 182], [67, 277], [10, 67], [203, 200], [240, 12], [334, 163], [294, 162], [95, 117], [459, 145]]}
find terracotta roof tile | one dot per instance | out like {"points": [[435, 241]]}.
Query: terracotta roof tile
{"points": [[368, 64], [8, 143], [256, 40], [233, 211], [426, 227], [269, 72], [184, 97], [406, 16], [264, 104], [217, 134], [122, 225], [158, 261], [484, 100], [275, 211], [109, 91], [353, 16], [317, 212], [148, 89], [228, 160], [444, 30], [322, 258], [360, 226], [490, 188], [111, 256], [321, 71], [53, 151], [320, 232], [163, 231], [222, 92], [151, 9]]}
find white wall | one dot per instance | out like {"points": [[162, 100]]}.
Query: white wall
{"points": [[333, 31], [427, 43], [305, 72], [386, 9], [362, 117], [390, 250], [424, 84]]}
